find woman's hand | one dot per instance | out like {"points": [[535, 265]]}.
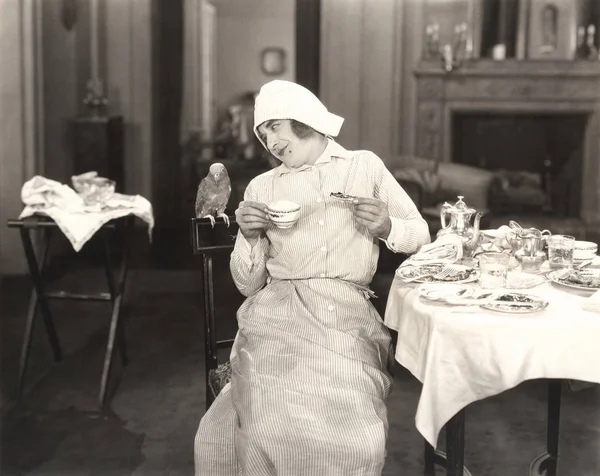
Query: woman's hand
{"points": [[373, 214], [252, 219]]}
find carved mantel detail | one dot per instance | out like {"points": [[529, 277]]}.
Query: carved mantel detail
{"points": [[512, 86]]}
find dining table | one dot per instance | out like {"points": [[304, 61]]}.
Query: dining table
{"points": [[465, 353]]}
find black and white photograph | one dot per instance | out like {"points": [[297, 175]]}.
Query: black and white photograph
{"points": [[299, 237]]}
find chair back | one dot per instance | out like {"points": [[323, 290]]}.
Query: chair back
{"points": [[212, 244]]}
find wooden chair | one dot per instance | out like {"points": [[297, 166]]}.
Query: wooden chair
{"points": [[207, 242]]}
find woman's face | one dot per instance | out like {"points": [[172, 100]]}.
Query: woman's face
{"points": [[286, 146]]}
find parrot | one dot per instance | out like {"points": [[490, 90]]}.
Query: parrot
{"points": [[213, 194]]}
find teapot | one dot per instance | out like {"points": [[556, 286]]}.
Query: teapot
{"points": [[459, 223], [528, 247]]}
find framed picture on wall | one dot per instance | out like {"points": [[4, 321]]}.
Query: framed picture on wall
{"points": [[272, 61], [552, 29]]}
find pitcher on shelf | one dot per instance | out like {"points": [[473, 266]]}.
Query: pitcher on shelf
{"points": [[459, 223]]}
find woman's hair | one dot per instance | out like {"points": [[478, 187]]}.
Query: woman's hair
{"points": [[300, 129]]}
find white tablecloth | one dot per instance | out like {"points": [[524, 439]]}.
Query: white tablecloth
{"points": [[78, 221], [464, 354]]}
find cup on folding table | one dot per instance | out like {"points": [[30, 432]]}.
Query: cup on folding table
{"points": [[560, 251], [493, 269]]}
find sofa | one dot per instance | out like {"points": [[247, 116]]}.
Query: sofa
{"points": [[500, 194]]}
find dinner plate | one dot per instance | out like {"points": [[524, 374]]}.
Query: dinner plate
{"points": [[443, 292], [516, 303], [582, 280], [424, 273]]}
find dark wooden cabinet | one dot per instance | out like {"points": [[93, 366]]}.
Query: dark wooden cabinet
{"points": [[98, 145]]}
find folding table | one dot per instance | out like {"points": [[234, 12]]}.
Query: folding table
{"points": [[40, 297]]}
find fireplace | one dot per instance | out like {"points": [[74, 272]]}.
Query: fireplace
{"points": [[541, 117], [546, 146]]}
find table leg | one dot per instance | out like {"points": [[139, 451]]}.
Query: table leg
{"points": [[113, 289], [547, 463], [453, 459], [210, 349], [429, 460], [455, 446], [114, 330], [30, 321], [36, 276]]}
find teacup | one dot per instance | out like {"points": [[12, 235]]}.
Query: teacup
{"points": [[283, 213]]}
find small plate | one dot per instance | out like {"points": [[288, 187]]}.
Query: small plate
{"points": [[342, 196], [442, 292], [583, 280], [516, 303]]}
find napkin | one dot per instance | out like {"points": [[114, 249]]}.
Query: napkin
{"points": [[500, 232], [592, 303], [45, 193], [78, 221], [446, 249]]}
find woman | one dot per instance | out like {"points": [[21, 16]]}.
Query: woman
{"points": [[310, 361]]}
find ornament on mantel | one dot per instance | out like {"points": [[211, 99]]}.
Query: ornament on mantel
{"points": [[586, 48], [95, 100], [69, 14]]}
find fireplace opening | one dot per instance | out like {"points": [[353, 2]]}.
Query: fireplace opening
{"points": [[543, 148]]}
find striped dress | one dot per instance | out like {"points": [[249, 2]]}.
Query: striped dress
{"points": [[310, 360]]}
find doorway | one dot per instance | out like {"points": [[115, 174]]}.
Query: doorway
{"points": [[171, 236]]}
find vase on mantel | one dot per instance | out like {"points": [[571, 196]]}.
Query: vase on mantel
{"points": [[95, 100]]}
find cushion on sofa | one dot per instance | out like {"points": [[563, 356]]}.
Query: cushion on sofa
{"points": [[470, 182]]}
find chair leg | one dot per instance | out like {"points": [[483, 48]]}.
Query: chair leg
{"points": [[210, 346]]}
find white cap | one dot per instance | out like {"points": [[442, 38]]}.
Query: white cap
{"points": [[286, 100]]}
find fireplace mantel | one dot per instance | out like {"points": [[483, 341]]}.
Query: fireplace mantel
{"points": [[519, 68], [515, 87]]}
